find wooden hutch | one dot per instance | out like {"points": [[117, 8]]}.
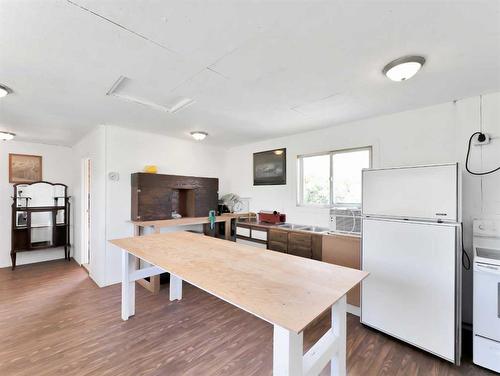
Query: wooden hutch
{"points": [[40, 218]]}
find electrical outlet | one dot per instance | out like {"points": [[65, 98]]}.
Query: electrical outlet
{"points": [[480, 141]]}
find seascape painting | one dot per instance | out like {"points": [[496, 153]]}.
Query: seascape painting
{"points": [[269, 167]]}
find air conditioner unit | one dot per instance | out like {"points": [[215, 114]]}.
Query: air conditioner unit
{"points": [[345, 220]]}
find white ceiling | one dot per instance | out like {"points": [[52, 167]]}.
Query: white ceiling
{"points": [[256, 69]]}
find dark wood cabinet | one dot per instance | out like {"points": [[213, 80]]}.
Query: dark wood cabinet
{"points": [[156, 196], [317, 246], [297, 243], [277, 240], [300, 244]]}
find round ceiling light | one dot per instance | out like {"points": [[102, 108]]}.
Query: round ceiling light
{"points": [[403, 68], [199, 135], [4, 91], [5, 136]]}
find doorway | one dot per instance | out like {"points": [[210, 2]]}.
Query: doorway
{"points": [[86, 211]]}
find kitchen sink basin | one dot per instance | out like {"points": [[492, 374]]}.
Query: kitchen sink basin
{"points": [[292, 226], [314, 229]]}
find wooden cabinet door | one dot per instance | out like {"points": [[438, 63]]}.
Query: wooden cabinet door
{"points": [[277, 240], [300, 244], [344, 251], [317, 245], [277, 246]]}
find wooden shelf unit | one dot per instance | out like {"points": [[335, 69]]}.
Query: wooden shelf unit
{"points": [[23, 228]]}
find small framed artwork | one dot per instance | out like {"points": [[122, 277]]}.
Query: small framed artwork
{"points": [[25, 168], [269, 167]]}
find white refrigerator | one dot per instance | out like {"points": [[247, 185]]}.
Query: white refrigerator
{"points": [[411, 246]]}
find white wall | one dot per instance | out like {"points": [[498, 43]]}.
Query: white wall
{"points": [[56, 167], [129, 151], [430, 135]]}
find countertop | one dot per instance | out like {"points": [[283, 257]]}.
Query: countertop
{"points": [[254, 223]]}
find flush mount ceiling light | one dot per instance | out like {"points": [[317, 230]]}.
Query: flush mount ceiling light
{"points": [[4, 91], [403, 68], [199, 135], [5, 136]]}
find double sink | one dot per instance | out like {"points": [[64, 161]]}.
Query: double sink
{"points": [[292, 226]]}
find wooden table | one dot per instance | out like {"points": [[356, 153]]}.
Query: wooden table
{"points": [[287, 291], [153, 284]]}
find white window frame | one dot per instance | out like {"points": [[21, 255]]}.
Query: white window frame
{"points": [[300, 175]]}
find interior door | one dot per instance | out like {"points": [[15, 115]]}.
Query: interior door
{"points": [[411, 292]]}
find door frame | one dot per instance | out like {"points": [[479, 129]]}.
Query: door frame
{"points": [[86, 202]]}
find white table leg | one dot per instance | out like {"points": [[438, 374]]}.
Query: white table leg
{"points": [[287, 352], [128, 285], [339, 326], [175, 287]]}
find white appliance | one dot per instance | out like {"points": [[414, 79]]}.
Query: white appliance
{"points": [[411, 246], [486, 310]]}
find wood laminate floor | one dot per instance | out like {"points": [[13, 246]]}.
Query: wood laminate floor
{"points": [[56, 321]]}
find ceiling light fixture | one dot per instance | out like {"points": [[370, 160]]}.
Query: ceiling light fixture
{"points": [[199, 135], [5, 136], [4, 91], [403, 68]]}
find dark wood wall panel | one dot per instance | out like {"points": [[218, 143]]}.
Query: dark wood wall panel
{"points": [[155, 196]]}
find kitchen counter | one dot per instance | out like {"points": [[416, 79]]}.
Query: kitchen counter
{"points": [[253, 223]]}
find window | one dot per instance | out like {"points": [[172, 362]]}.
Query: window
{"points": [[332, 178]]}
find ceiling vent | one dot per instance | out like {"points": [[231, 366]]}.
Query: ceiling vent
{"points": [[126, 89]]}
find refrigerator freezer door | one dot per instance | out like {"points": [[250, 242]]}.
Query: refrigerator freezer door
{"points": [[423, 192], [411, 291]]}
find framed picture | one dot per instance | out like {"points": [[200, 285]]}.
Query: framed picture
{"points": [[269, 167], [25, 168]]}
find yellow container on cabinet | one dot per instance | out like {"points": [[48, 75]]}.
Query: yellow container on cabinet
{"points": [[151, 169]]}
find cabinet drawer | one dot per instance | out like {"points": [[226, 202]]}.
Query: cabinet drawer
{"points": [[278, 235], [277, 246], [243, 231], [259, 234]]}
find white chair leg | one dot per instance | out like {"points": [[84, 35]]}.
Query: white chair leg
{"points": [[287, 352], [175, 287]]}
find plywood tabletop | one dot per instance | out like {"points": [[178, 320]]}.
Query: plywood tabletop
{"points": [[282, 289], [182, 221]]}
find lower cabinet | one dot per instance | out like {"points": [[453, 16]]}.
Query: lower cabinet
{"points": [[300, 244], [344, 250], [277, 240], [296, 243]]}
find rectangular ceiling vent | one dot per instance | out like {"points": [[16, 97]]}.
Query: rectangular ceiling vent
{"points": [[126, 89]]}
